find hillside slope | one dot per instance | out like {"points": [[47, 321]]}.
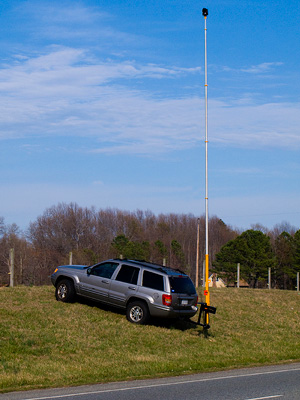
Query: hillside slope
{"points": [[45, 343]]}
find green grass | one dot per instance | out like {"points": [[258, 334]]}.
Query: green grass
{"points": [[45, 343]]}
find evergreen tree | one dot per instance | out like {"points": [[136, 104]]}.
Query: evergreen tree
{"points": [[285, 272], [297, 251], [252, 249]]}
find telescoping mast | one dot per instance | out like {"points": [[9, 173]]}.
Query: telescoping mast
{"points": [[205, 308]]}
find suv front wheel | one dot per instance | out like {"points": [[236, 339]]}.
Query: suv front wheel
{"points": [[137, 312], [65, 291]]}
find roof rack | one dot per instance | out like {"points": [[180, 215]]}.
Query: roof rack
{"points": [[149, 264]]}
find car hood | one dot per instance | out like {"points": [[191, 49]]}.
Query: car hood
{"points": [[74, 266]]}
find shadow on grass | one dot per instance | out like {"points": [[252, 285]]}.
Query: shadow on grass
{"points": [[181, 324], [101, 306]]}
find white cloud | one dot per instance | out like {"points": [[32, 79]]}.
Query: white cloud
{"points": [[69, 22], [75, 70], [68, 93], [254, 69], [257, 126], [261, 68]]}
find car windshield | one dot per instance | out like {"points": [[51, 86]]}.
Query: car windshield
{"points": [[182, 284]]}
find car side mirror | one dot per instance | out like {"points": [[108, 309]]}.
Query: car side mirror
{"points": [[89, 271]]}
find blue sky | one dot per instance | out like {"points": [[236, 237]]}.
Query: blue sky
{"points": [[102, 104]]}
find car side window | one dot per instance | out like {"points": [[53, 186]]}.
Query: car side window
{"points": [[128, 274], [104, 270], [153, 281]]}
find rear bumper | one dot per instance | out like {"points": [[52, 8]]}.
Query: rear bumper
{"points": [[169, 312]]}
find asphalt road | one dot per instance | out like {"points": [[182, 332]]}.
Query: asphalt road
{"points": [[273, 382]]}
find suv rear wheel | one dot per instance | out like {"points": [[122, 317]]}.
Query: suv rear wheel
{"points": [[65, 291], [137, 312]]}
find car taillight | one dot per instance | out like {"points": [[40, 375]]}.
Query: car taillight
{"points": [[196, 301], [167, 299]]}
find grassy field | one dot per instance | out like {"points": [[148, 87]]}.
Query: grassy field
{"points": [[45, 343]]}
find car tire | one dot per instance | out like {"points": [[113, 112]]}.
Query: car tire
{"points": [[137, 312], [65, 291]]}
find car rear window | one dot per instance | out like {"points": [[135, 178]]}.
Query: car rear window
{"points": [[182, 284], [153, 281]]}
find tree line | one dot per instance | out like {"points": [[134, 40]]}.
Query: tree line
{"points": [[93, 235], [256, 252]]}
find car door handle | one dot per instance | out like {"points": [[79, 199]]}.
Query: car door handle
{"points": [[131, 288], [104, 281]]}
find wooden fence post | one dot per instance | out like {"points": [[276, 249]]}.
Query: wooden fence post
{"points": [[11, 267]]}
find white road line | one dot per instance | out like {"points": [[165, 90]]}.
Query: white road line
{"points": [[268, 397], [170, 384]]}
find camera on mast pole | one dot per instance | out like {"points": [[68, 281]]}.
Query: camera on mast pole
{"points": [[205, 12]]}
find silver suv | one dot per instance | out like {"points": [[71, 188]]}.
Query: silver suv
{"points": [[143, 289]]}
